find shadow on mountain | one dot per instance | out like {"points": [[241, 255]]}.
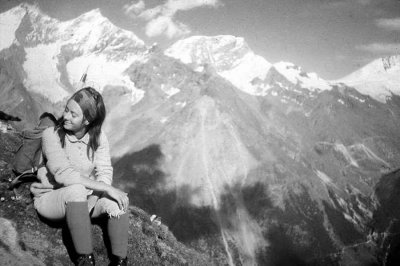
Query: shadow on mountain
{"points": [[282, 251], [140, 175], [387, 191], [386, 218], [342, 228], [299, 236], [298, 239], [256, 199], [7, 117], [252, 198]]}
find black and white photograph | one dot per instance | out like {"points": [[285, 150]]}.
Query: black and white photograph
{"points": [[200, 132]]}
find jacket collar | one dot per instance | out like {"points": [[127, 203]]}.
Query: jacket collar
{"points": [[84, 139]]}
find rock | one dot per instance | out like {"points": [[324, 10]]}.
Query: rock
{"points": [[12, 251], [3, 164], [386, 218]]}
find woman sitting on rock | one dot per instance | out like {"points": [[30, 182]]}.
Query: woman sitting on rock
{"points": [[75, 182]]}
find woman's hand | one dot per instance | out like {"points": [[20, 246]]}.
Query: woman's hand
{"points": [[119, 196], [39, 188], [114, 193]]}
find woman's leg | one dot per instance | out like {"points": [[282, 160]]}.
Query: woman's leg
{"points": [[117, 225], [79, 225], [70, 203], [52, 205], [117, 229]]}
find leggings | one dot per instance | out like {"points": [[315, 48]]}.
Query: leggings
{"points": [[51, 205]]}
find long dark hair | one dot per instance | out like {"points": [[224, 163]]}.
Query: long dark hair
{"points": [[94, 111]]}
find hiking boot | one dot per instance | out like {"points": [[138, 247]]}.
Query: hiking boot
{"points": [[85, 260], [118, 261]]}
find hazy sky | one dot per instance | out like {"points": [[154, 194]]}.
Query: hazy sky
{"points": [[330, 37]]}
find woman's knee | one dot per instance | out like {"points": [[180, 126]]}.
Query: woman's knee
{"points": [[107, 203], [107, 206], [75, 192]]}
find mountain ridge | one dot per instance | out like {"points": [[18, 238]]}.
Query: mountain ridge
{"points": [[243, 71]]}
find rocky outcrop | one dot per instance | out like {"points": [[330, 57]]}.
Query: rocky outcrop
{"points": [[386, 222]]}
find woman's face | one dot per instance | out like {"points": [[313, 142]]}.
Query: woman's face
{"points": [[73, 117]]}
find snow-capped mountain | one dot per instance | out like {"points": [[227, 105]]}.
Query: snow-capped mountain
{"points": [[232, 59], [229, 56], [379, 79], [305, 80], [65, 50], [249, 161]]}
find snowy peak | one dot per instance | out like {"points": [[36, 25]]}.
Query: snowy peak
{"points": [[64, 50], [93, 16], [9, 23], [305, 80], [228, 55], [89, 28], [232, 59], [222, 52], [97, 33], [379, 79], [391, 63], [376, 68]]}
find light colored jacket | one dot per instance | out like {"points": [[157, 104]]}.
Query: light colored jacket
{"points": [[72, 160]]}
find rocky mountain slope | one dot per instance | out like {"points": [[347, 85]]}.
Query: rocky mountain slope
{"points": [[246, 161], [25, 239], [294, 165]]}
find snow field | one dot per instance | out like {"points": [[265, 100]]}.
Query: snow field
{"points": [[104, 72], [42, 75], [9, 23]]}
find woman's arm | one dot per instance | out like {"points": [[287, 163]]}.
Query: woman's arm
{"points": [[102, 160], [118, 195]]}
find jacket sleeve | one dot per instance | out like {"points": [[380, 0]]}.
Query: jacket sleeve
{"points": [[57, 161], [103, 168]]}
